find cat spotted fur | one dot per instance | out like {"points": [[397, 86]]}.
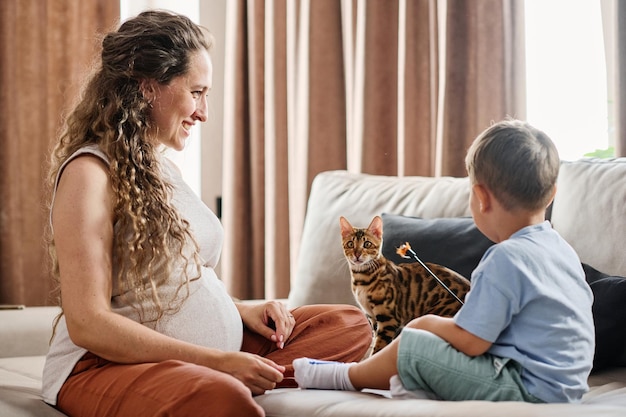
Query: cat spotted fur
{"points": [[392, 294]]}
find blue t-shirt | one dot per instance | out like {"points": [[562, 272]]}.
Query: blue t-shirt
{"points": [[530, 299]]}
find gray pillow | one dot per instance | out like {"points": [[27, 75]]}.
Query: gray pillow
{"points": [[609, 317], [453, 242]]}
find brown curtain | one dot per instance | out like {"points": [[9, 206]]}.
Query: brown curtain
{"points": [[393, 87], [45, 47]]}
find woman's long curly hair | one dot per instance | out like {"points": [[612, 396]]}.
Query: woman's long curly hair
{"points": [[151, 239]]}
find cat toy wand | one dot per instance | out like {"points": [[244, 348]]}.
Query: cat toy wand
{"points": [[402, 250]]}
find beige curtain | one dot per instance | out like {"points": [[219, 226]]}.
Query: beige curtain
{"points": [[614, 27], [393, 87], [620, 78], [44, 49]]}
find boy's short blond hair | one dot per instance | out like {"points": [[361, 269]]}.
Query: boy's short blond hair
{"points": [[518, 163]]}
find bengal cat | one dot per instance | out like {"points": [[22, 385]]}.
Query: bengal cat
{"points": [[392, 294]]}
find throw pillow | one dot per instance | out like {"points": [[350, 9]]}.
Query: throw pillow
{"points": [[453, 242], [609, 317]]}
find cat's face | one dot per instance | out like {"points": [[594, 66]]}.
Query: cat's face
{"points": [[360, 245]]}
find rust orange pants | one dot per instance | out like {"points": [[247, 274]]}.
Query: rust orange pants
{"points": [[98, 387]]}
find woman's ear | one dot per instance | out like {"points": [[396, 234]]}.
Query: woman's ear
{"points": [[148, 90]]}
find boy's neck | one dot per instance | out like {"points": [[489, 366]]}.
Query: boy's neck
{"points": [[509, 222]]}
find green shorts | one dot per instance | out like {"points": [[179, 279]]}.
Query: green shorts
{"points": [[428, 363]]}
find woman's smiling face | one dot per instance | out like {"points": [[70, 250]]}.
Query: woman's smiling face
{"points": [[177, 106]]}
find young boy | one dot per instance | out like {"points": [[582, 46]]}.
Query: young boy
{"points": [[525, 332]]}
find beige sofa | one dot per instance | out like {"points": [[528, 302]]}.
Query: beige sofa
{"points": [[432, 213]]}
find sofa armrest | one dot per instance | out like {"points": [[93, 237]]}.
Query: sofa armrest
{"points": [[27, 331]]}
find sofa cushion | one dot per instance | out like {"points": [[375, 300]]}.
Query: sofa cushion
{"points": [[589, 211], [31, 329], [20, 387], [453, 242], [322, 274], [601, 401], [609, 316]]}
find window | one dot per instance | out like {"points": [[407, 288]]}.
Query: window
{"points": [[566, 75]]}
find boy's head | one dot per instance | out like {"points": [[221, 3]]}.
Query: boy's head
{"points": [[518, 163]]}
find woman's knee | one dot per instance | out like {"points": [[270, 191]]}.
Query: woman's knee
{"points": [[356, 321], [345, 317], [353, 329]]}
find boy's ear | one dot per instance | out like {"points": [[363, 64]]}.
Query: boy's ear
{"points": [[484, 196], [552, 196]]}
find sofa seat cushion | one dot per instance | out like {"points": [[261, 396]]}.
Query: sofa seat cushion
{"points": [[607, 400], [20, 388]]}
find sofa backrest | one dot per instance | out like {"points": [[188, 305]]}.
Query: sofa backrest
{"points": [[589, 211], [322, 274]]}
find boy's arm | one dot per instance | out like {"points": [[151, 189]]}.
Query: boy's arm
{"points": [[448, 330]]}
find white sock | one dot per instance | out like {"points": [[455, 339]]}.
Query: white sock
{"points": [[312, 373]]}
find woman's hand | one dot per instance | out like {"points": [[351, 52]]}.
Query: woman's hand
{"points": [[272, 320], [257, 373]]}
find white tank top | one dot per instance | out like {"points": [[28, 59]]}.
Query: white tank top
{"points": [[208, 317]]}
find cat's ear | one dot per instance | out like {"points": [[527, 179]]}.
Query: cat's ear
{"points": [[346, 227], [376, 227]]}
